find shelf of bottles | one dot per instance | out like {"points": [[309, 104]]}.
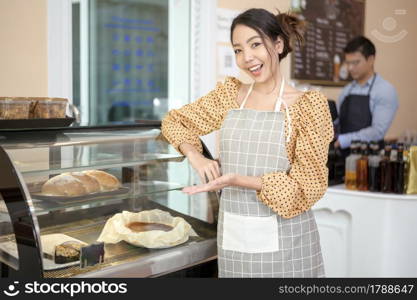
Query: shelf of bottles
{"points": [[369, 168]]}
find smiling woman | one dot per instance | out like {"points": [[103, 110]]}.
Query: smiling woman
{"points": [[267, 38], [273, 153]]}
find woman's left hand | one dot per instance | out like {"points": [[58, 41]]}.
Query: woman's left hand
{"points": [[214, 185]]}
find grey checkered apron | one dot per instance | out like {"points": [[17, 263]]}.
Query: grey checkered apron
{"points": [[252, 143]]}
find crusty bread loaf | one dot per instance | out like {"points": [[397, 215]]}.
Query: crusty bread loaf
{"points": [[64, 185], [107, 181], [80, 183], [90, 183]]}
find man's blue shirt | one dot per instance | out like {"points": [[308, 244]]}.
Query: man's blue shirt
{"points": [[383, 102]]}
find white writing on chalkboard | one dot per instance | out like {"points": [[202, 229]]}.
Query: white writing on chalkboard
{"points": [[330, 26]]}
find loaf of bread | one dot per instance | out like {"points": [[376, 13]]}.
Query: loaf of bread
{"points": [[64, 185], [91, 184], [107, 181], [80, 183]]}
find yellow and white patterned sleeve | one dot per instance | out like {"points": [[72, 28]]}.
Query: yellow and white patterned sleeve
{"points": [[290, 194], [201, 117]]}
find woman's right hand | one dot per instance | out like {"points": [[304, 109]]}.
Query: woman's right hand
{"points": [[206, 168]]}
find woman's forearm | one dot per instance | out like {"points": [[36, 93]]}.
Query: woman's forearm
{"points": [[188, 149], [249, 182]]}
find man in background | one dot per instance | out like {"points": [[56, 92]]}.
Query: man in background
{"points": [[368, 104]]}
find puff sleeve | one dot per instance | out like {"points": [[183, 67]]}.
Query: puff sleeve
{"points": [[290, 194], [201, 117]]}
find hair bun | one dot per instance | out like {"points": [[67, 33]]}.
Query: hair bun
{"points": [[292, 28]]}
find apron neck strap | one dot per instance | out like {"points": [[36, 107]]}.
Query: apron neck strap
{"points": [[278, 107], [279, 100], [277, 103], [246, 97], [370, 87], [372, 84]]}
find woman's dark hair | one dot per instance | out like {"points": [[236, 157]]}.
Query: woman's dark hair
{"points": [[361, 44], [283, 25]]}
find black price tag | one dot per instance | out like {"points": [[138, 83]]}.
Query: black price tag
{"points": [[92, 255]]}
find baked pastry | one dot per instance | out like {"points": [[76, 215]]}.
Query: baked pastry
{"points": [[61, 248], [90, 183], [14, 108], [67, 252], [107, 181], [47, 108], [80, 183], [64, 185], [142, 226]]}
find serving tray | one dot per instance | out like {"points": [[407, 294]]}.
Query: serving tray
{"points": [[77, 199], [36, 123]]}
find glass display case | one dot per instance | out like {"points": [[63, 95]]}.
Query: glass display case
{"points": [[150, 173]]}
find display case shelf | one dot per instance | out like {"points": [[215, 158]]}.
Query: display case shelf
{"points": [[101, 164], [147, 188]]}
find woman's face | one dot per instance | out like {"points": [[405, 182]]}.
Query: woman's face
{"points": [[252, 53]]}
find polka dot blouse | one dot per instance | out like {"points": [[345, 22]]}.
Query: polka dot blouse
{"points": [[287, 193]]}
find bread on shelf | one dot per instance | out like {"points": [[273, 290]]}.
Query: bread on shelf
{"points": [[64, 185], [91, 184], [107, 181], [80, 183]]}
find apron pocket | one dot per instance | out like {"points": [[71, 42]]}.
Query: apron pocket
{"points": [[250, 234]]}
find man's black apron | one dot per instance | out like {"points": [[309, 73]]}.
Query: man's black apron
{"points": [[355, 113]]}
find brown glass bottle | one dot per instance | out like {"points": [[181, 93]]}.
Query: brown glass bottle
{"points": [[362, 169], [373, 168], [398, 168], [406, 166], [386, 173]]}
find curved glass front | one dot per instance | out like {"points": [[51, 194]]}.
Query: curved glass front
{"points": [[150, 173]]}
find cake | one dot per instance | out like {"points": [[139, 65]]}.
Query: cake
{"points": [[67, 252]]}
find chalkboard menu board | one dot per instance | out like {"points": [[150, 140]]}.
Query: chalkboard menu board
{"points": [[330, 26]]}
